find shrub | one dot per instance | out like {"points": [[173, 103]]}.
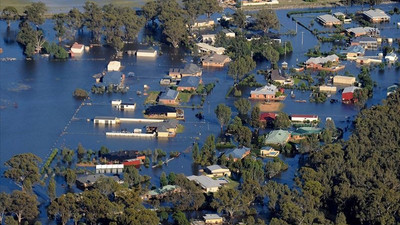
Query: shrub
{"points": [[80, 93]]}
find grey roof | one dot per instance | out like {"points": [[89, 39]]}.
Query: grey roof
{"points": [[190, 81], [147, 50], [91, 179], [267, 89], [216, 58], [211, 216], [215, 167], [322, 60], [277, 137], [363, 30], [204, 181], [169, 95], [276, 75], [105, 118], [350, 89], [237, 153], [164, 126], [355, 49], [328, 19], [376, 13], [365, 40], [191, 69]]}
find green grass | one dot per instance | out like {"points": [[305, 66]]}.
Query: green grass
{"points": [[296, 80], [180, 129], [18, 4], [152, 97], [184, 97], [232, 184]]}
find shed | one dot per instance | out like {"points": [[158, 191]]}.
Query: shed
{"points": [[237, 153], [189, 83], [218, 171], [110, 168], [213, 219], [344, 80], [114, 66], [328, 20], [348, 94], [106, 120], [206, 183], [146, 53], [77, 48]]}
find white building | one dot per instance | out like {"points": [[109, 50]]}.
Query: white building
{"points": [[303, 118], [112, 168], [209, 48], [146, 53], [77, 48], [114, 66], [206, 183], [126, 106], [106, 120], [391, 57]]}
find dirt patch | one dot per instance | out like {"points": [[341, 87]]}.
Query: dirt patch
{"points": [[270, 106]]}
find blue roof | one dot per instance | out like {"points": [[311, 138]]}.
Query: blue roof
{"points": [[189, 81], [237, 152], [169, 95], [355, 49]]}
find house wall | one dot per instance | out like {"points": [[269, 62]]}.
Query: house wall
{"points": [[259, 96], [146, 54], [162, 134], [347, 96], [213, 64], [168, 102], [171, 115], [214, 221], [186, 89]]}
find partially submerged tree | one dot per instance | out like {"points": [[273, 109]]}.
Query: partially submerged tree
{"points": [[266, 19], [9, 14], [23, 168], [223, 114]]}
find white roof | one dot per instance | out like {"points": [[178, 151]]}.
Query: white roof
{"points": [[114, 63], [350, 89], [362, 30], [204, 181], [328, 19], [211, 216], [376, 13], [321, 60], [267, 89], [111, 166], [207, 47], [216, 167]]}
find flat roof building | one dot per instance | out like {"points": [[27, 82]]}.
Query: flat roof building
{"points": [[328, 20], [215, 60], [146, 53], [344, 80], [376, 15], [206, 183]]}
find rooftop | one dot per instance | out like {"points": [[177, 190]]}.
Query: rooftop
{"points": [[277, 137], [237, 153], [191, 69], [355, 49], [159, 109], [216, 58], [328, 19], [350, 89], [322, 60], [307, 131], [216, 167], [376, 14], [267, 116], [365, 39], [169, 95], [276, 75], [204, 181], [211, 217], [91, 179], [190, 81], [267, 89], [363, 30], [110, 166]]}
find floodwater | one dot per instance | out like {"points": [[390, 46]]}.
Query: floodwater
{"points": [[39, 113]]}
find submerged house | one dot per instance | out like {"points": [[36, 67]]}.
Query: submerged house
{"points": [[169, 97], [114, 66], [295, 118], [344, 80], [189, 83], [213, 219], [150, 53], [164, 112], [189, 70], [268, 92], [366, 42], [363, 31], [164, 129], [206, 183], [348, 95], [162, 192], [106, 120], [237, 153], [267, 119], [354, 51], [77, 48], [204, 23], [215, 60], [279, 76], [87, 181], [203, 47], [328, 20], [376, 16], [277, 137], [319, 62], [217, 171]]}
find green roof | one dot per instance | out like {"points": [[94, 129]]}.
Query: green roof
{"points": [[307, 131], [162, 190], [277, 137]]}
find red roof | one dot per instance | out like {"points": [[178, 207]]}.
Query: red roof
{"points": [[304, 116], [267, 116]]}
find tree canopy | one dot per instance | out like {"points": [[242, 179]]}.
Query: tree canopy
{"points": [[23, 169]]}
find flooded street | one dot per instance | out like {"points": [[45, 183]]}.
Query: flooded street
{"points": [[38, 112]]}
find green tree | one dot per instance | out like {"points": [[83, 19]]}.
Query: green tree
{"points": [[172, 19], [151, 10], [190, 197], [64, 208], [139, 216], [163, 179], [207, 152], [195, 153], [106, 186], [4, 204], [96, 206], [282, 121], [243, 106], [243, 136], [81, 151], [23, 205], [227, 200], [68, 155], [23, 168], [70, 176], [266, 19], [51, 189], [239, 18], [271, 54], [210, 7], [255, 117], [35, 13], [59, 26], [131, 176], [10, 220], [223, 114], [240, 67], [193, 10], [180, 218], [9, 14], [93, 19], [75, 20], [171, 178], [103, 151]]}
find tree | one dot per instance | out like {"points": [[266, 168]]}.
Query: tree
{"points": [[180, 218], [81, 152], [93, 19], [35, 13], [68, 155], [163, 179], [70, 176], [243, 106], [139, 216], [266, 19], [65, 207], [106, 186], [255, 117], [271, 54], [23, 168], [239, 18], [9, 14], [190, 197], [282, 121], [193, 10], [174, 26], [96, 206], [223, 114], [59, 26], [207, 152], [171, 178], [227, 200], [131, 176], [51, 189], [195, 153], [243, 136], [4, 204], [240, 67], [210, 7], [75, 20], [23, 205], [151, 10]]}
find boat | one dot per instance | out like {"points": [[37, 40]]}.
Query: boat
{"points": [[138, 92], [301, 101], [292, 94]]}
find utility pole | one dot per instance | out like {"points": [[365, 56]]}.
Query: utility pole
{"points": [[296, 27], [302, 39]]}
